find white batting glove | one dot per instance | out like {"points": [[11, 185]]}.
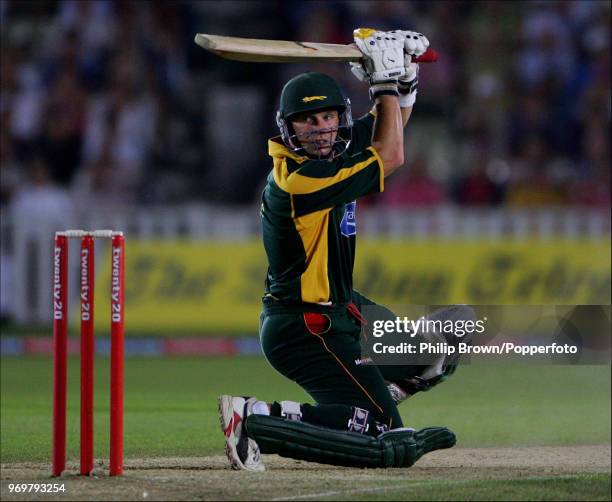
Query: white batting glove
{"points": [[415, 44], [383, 54], [358, 70], [407, 85]]}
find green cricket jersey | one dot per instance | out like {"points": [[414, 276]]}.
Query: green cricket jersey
{"points": [[308, 218]]}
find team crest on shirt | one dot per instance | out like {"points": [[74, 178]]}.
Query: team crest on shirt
{"points": [[348, 225]]}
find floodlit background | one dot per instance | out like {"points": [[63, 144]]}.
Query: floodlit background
{"points": [[113, 117]]}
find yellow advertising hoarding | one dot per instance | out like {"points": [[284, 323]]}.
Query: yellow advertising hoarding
{"points": [[216, 286]]}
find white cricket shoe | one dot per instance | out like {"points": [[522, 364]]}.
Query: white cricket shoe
{"points": [[241, 450]]}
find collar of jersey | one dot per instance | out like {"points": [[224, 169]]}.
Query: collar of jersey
{"points": [[276, 148]]}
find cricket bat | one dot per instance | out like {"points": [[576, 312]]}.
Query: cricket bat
{"points": [[283, 51]]}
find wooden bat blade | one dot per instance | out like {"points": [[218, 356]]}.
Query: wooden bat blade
{"points": [[256, 50], [275, 51]]}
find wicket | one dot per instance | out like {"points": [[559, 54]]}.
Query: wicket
{"points": [[60, 348]]}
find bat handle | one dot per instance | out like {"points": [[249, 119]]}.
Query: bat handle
{"points": [[429, 56]]}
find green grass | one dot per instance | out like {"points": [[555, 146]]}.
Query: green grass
{"points": [[570, 487], [170, 405], [519, 405]]}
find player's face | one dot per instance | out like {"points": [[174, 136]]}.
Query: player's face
{"points": [[317, 131]]}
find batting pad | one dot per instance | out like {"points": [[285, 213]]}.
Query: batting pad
{"points": [[303, 441]]}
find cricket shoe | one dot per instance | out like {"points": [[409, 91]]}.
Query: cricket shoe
{"points": [[444, 367], [241, 450]]}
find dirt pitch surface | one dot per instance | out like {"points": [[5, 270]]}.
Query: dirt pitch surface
{"points": [[209, 478]]}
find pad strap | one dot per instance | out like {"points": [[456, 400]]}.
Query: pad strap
{"points": [[291, 410], [359, 421]]}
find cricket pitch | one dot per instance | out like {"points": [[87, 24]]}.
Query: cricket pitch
{"points": [[456, 474]]}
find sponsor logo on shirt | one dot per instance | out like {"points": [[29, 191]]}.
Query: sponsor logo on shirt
{"points": [[348, 225]]}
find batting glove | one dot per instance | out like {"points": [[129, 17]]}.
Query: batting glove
{"points": [[415, 44], [379, 89], [407, 85], [383, 54]]}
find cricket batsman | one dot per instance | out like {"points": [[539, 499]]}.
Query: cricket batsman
{"points": [[311, 322]]}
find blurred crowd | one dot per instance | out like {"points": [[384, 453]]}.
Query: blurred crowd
{"points": [[111, 101]]}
